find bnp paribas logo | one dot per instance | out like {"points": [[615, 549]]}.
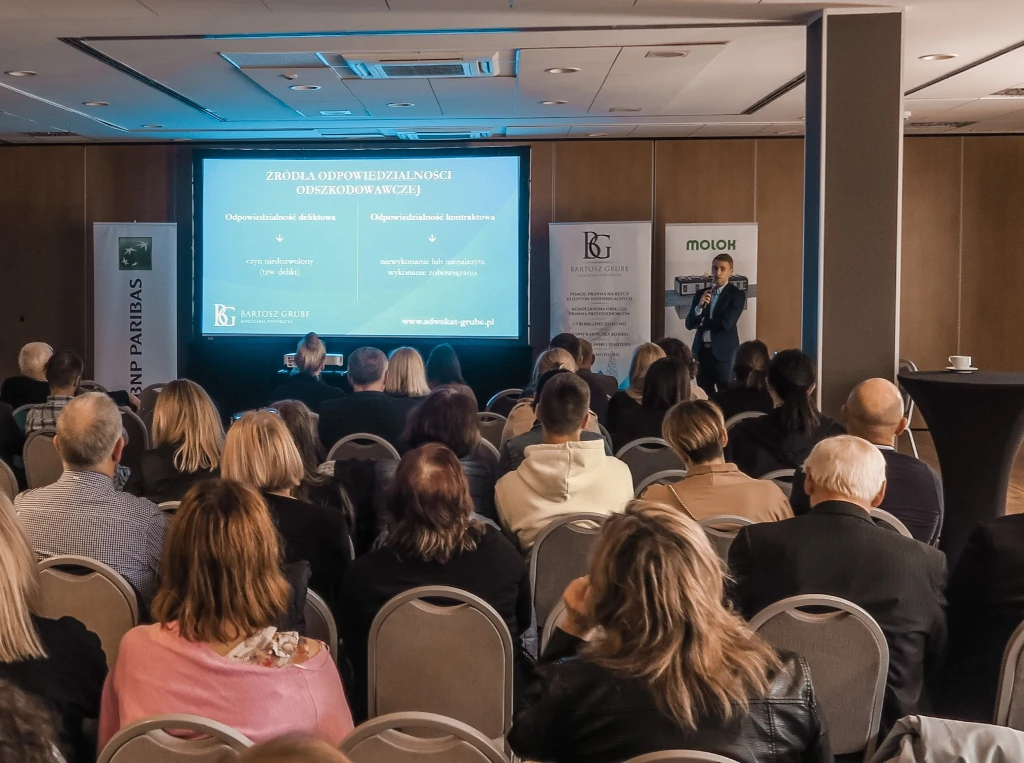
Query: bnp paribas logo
{"points": [[134, 253]]}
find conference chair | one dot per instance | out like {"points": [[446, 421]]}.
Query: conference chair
{"points": [[170, 506], [149, 741], [383, 740], [553, 621], [138, 439], [314, 423], [561, 554], [722, 531], [92, 593], [605, 433], [503, 402], [148, 396], [1010, 694], [734, 420], [8, 482], [88, 385], [454, 660], [647, 456], [667, 477], [490, 425], [363, 445], [42, 462], [491, 448], [681, 756], [848, 657], [783, 478], [909, 366], [889, 522], [20, 414], [320, 623]]}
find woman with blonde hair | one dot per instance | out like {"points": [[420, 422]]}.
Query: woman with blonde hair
{"points": [[58, 661], [668, 666], [304, 382], [214, 650], [187, 441], [260, 452], [523, 416], [406, 376]]}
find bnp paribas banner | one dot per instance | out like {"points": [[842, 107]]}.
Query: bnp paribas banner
{"points": [[601, 288], [136, 337], [689, 251]]}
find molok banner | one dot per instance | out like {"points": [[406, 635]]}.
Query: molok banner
{"points": [[136, 336], [601, 288], [689, 250]]}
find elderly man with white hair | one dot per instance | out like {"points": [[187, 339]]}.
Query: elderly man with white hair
{"points": [[81, 513], [31, 387], [836, 549]]}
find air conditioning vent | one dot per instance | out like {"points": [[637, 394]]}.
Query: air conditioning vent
{"points": [[938, 125], [442, 135], [1010, 92], [425, 68], [52, 134]]}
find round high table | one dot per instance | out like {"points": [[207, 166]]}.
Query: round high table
{"points": [[976, 421]]}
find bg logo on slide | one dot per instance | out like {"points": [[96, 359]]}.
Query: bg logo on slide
{"points": [[592, 248], [221, 317]]}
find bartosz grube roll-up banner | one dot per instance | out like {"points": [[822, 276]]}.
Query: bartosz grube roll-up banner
{"points": [[136, 293], [601, 288], [689, 250]]}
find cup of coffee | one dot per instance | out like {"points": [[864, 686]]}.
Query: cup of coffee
{"points": [[960, 362]]}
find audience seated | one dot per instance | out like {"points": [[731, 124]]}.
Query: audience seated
{"points": [[214, 650], [667, 665], [626, 403], [749, 388], [513, 451], [986, 604], [585, 368], [187, 436], [57, 661], [598, 397], [28, 732], [696, 431], [675, 348], [837, 550], [406, 379], [63, 374], [913, 491], [449, 417], [12, 439], [315, 487], [783, 438], [563, 475], [523, 416], [443, 368], [31, 387], [368, 410], [259, 452], [293, 749], [667, 383], [304, 383], [81, 513], [431, 538]]}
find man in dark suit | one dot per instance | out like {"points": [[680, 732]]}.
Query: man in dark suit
{"points": [[913, 491], [837, 550], [607, 384], [368, 410], [714, 315], [304, 383]]}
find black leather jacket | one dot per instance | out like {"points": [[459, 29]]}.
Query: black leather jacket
{"points": [[575, 711]]}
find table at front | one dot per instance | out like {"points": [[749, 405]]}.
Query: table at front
{"points": [[976, 421]]}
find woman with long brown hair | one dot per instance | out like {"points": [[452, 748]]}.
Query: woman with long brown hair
{"points": [[667, 665]]}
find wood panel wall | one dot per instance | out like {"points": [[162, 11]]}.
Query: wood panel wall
{"points": [[962, 231]]}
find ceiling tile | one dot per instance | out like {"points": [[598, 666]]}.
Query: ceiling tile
{"points": [[324, 6], [377, 94], [731, 130], [665, 131], [471, 97], [332, 93], [541, 132], [601, 131], [206, 7], [578, 89]]}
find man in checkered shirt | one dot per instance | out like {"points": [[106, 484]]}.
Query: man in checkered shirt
{"points": [[81, 513]]}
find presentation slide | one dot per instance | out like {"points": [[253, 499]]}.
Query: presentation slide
{"points": [[374, 245]]}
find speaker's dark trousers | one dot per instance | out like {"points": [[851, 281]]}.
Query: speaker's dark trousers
{"points": [[712, 374]]}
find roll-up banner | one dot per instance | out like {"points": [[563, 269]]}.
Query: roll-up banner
{"points": [[601, 288], [689, 250], [135, 287]]}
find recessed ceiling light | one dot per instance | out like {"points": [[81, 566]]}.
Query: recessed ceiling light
{"points": [[95, 103], [621, 109], [335, 113], [401, 105], [938, 56], [553, 103], [304, 87], [563, 70], [667, 54], [20, 73], [599, 135], [153, 127]]}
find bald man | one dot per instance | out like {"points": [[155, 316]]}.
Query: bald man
{"points": [[874, 412]]}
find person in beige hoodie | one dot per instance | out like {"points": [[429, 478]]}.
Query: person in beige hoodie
{"points": [[562, 475]]}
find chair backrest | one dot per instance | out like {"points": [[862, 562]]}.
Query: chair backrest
{"points": [[605, 433], [490, 446], [88, 385], [561, 554], [1010, 695], [100, 599], [647, 456], [42, 461], [363, 445], [490, 425], [469, 679], [667, 477], [320, 622], [848, 657], [681, 756], [8, 482], [734, 420], [554, 619], [381, 740], [722, 531], [512, 394], [148, 741], [907, 366], [138, 439], [314, 424], [149, 395], [783, 478], [889, 522], [20, 414]]}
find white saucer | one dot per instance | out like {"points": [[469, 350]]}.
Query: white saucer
{"points": [[961, 370]]}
